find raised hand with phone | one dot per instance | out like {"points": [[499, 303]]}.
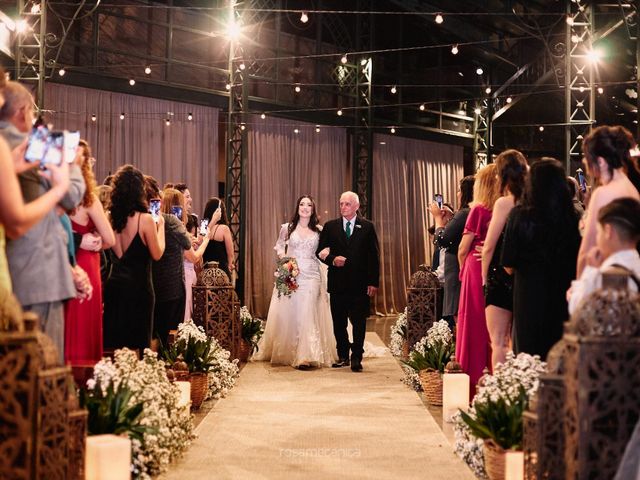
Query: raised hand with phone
{"points": [[220, 248]]}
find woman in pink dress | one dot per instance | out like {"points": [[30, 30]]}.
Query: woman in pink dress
{"points": [[83, 318], [473, 346]]}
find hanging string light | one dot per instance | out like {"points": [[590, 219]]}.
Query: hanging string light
{"points": [[509, 100], [477, 110], [296, 131], [339, 112], [304, 18], [479, 71], [122, 116], [317, 128], [454, 49], [343, 60], [487, 90], [147, 70], [422, 107], [297, 88], [394, 89], [439, 19], [189, 117], [167, 122], [263, 116], [61, 72], [393, 130], [132, 82], [93, 117]]}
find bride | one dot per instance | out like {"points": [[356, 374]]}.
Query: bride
{"points": [[299, 329]]}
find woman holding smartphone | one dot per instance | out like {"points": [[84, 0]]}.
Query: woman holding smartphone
{"points": [[168, 271], [220, 248], [128, 293]]}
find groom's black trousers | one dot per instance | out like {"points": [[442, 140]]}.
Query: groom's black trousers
{"points": [[356, 308]]}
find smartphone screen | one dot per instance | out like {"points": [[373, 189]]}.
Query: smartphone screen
{"points": [[36, 146], [582, 181], [204, 224], [177, 211], [53, 149], [154, 209], [438, 198], [71, 141]]}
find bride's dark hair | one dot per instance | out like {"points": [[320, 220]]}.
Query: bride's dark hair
{"points": [[313, 221]]}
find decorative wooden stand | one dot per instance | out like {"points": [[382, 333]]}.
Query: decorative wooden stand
{"points": [[217, 309], [587, 406], [423, 296], [43, 431]]}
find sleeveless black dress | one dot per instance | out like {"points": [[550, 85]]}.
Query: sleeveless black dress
{"points": [[129, 299], [498, 290], [217, 252]]}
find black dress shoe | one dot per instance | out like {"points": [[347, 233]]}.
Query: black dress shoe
{"points": [[304, 366], [342, 362], [356, 366]]}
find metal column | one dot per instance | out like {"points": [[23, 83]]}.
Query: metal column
{"points": [[31, 47]]}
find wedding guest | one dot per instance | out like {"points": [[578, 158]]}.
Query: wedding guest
{"points": [[168, 271], [220, 248], [83, 318], [511, 170], [608, 161], [104, 195], [448, 236], [617, 237], [190, 273], [473, 349], [128, 293], [38, 260], [541, 242], [188, 200], [575, 191]]}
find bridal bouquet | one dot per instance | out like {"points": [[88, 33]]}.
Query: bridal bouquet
{"points": [[286, 273]]}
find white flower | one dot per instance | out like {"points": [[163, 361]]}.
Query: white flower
{"points": [[189, 329], [398, 335]]}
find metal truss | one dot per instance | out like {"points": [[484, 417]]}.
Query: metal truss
{"points": [[363, 137], [482, 133], [580, 108], [235, 195], [31, 46]]}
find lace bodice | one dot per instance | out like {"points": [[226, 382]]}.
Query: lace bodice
{"points": [[298, 247]]}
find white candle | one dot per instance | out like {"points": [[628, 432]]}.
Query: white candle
{"points": [[185, 393], [514, 465], [108, 457], [455, 394]]}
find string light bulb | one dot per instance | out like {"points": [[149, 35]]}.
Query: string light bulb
{"points": [[454, 49], [61, 72], [422, 107], [569, 20], [296, 131], [93, 117], [243, 126], [479, 71], [242, 66], [167, 122], [304, 18], [394, 89], [228, 86], [541, 128], [343, 60], [190, 116], [297, 88], [122, 116], [317, 128], [477, 110], [600, 90], [487, 90], [439, 19], [263, 116], [147, 70], [132, 82], [363, 62], [466, 130], [393, 130], [35, 8], [339, 112]]}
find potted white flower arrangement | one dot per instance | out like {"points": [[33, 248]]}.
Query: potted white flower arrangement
{"points": [[493, 424], [398, 340], [128, 396], [252, 331], [429, 358]]}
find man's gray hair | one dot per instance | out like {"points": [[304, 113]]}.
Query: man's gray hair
{"points": [[15, 96], [353, 195]]}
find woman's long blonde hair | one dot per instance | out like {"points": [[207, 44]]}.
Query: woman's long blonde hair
{"points": [[170, 198], [486, 189]]}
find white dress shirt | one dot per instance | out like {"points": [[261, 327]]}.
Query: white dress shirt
{"points": [[352, 224], [591, 278]]}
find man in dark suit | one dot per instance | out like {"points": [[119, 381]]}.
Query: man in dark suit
{"points": [[349, 245]]}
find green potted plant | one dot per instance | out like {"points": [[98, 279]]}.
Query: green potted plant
{"points": [[252, 330]]}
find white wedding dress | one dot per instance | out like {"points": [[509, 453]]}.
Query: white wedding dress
{"points": [[299, 329]]}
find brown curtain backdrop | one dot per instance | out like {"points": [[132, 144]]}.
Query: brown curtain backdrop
{"points": [[281, 166], [406, 175], [185, 151]]}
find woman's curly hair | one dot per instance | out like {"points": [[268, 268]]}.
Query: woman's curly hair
{"points": [[128, 196], [87, 173]]}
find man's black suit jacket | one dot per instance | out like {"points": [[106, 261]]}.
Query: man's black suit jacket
{"points": [[361, 250]]}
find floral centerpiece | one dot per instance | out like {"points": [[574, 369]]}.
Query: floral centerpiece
{"points": [[398, 338], [205, 358], [286, 273], [429, 358], [494, 421], [135, 397], [252, 330]]}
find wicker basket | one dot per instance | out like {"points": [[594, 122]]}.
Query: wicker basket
{"points": [[244, 351], [199, 386], [494, 459], [431, 382]]}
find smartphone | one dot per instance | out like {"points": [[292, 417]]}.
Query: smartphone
{"points": [[582, 181], [50, 147], [154, 209], [36, 146], [438, 198], [71, 142], [204, 224], [177, 211]]}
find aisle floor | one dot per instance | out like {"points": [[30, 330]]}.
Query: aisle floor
{"points": [[282, 423]]}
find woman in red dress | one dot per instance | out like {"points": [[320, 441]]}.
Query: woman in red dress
{"points": [[473, 346], [83, 318]]}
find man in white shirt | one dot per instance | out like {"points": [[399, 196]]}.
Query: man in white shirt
{"points": [[618, 233]]}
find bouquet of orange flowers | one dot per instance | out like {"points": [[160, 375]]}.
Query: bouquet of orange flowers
{"points": [[286, 273]]}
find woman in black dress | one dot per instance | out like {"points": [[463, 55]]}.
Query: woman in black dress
{"points": [[128, 293], [541, 242], [220, 248], [448, 237], [511, 170]]}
